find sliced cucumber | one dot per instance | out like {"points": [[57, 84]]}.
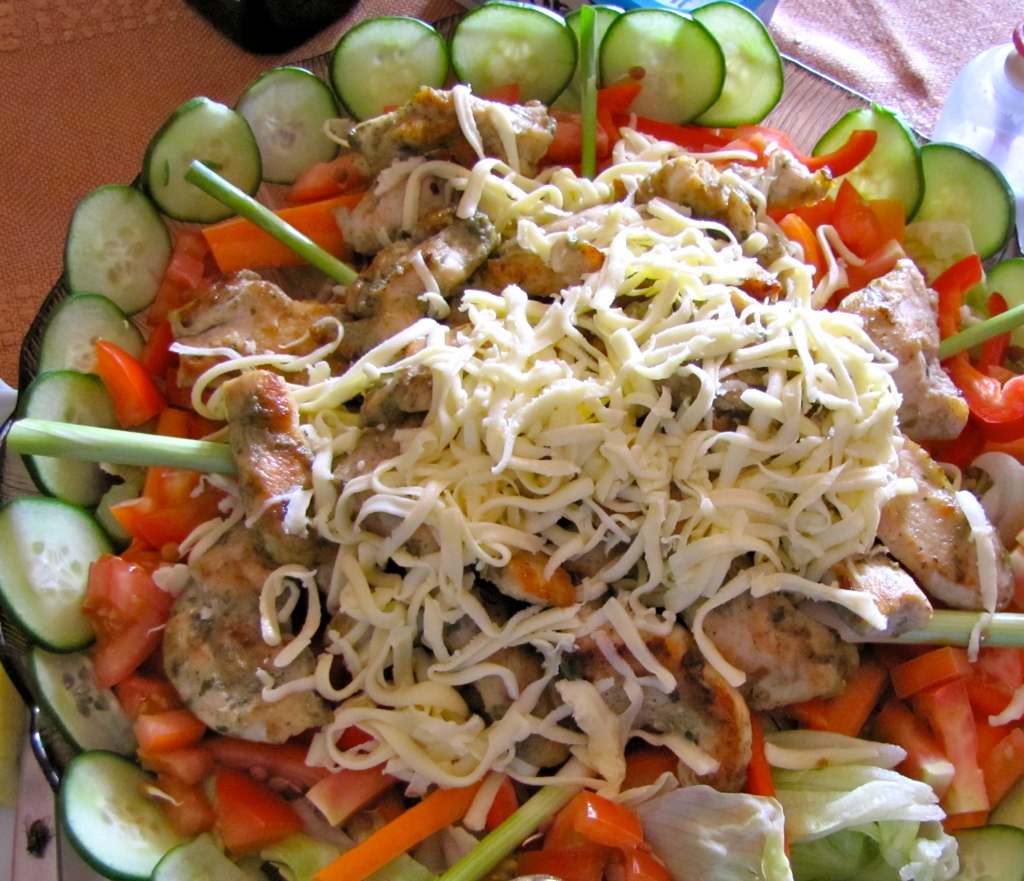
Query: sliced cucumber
{"points": [[212, 133], [47, 547], [960, 184], [117, 245], [69, 341], [990, 853], [128, 483], [1007, 278], [893, 168], [684, 67], [383, 61], [200, 860], [69, 396], [113, 825], [753, 65], [571, 98], [501, 43], [286, 108], [89, 716], [1010, 810]]}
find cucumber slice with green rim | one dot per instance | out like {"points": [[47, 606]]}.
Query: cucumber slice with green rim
{"points": [[383, 61], [960, 184], [571, 98], [200, 860], [69, 341], [990, 853], [47, 547], [1007, 278], [501, 43], [128, 485], [212, 133], [684, 67], [1010, 810], [117, 245], [893, 168], [286, 108], [89, 716], [80, 398], [113, 825], [753, 65]]}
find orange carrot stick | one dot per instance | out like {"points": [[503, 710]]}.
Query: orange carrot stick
{"points": [[848, 712], [240, 244], [439, 809]]}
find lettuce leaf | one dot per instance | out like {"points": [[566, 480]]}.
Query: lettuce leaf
{"points": [[849, 815], [699, 832]]}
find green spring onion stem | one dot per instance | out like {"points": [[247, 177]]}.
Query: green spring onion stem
{"points": [[985, 330], [503, 841], [246, 206], [41, 437], [588, 90], [955, 628]]}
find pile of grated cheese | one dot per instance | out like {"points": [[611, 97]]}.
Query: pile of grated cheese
{"points": [[653, 418]]}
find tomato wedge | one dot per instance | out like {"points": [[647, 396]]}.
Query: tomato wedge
{"points": [[249, 815], [136, 396], [128, 610]]}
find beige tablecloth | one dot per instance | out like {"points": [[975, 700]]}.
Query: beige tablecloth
{"points": [[86, 82]]}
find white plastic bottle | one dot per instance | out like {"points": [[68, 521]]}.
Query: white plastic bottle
{"points": [[985, 111]]}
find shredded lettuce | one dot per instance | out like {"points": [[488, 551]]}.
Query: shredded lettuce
{"points": [[849, 815], [935, 245], [699, 832]]}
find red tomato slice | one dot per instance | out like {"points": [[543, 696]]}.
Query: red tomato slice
{"points": [[642, 865], [186, 806], [168, 730], [136, 397], [281, 761], [145, 694], [597, 820], [344, 792], [571, 864], [128, 610], [947, 709], [505, 803], [249, 815], [190, 764]]}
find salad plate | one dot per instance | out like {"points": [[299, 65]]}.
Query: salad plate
{"points": [[810, 104]]}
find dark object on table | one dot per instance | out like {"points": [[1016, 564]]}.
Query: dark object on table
{"points": [[271, 26]]}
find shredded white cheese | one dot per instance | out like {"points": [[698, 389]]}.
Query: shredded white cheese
{"points": [[654, 417]]}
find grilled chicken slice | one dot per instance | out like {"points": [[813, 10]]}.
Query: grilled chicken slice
{"points": [[899, 312], [699, 186], [274, 462], [703, 708], [894, 592], [213, 646], [380, 217], [389, 296], [788, 656], [489, 695], [786, 182], [248, 315], [929, 533], [568, 262], [428, 125], [708, 193]]}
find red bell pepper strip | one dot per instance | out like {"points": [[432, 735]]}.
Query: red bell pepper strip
{"points": [[951, 286]]}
